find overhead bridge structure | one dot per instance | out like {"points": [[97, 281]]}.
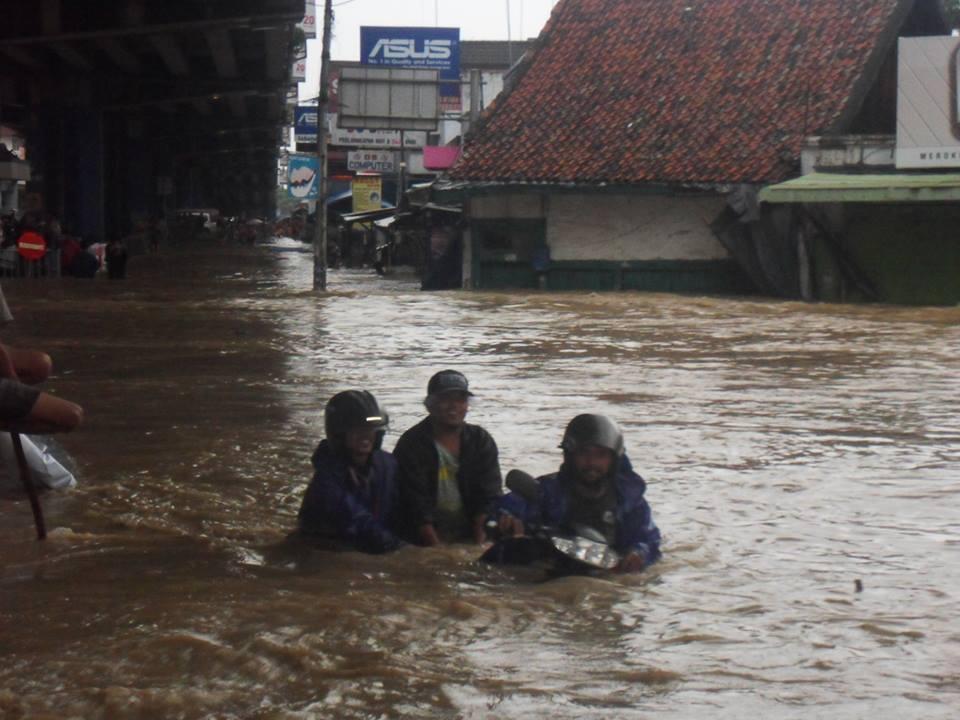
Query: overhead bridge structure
{"points": [[133, 108]]}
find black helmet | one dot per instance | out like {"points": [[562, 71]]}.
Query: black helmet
{"points": [[592, 430], [353, 409]]}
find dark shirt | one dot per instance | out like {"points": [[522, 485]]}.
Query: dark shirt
{"points": [[357, 508], [478, 478], [598, 513], [634, 529]]}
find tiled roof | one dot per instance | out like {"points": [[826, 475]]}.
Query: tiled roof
{"points": [[679, 91]]}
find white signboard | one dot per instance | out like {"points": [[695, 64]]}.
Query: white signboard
{"points": [[928, 103], [309, 22], [350, 137], [391, 98], [380, 161], [299, 71]]}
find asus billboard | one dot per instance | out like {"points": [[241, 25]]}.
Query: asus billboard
{"points": [[417, 47]]}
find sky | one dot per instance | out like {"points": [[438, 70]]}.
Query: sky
{"points": [[477, 20]]}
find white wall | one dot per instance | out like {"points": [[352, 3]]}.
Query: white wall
{"points": [[491, 85], [632, 227]]}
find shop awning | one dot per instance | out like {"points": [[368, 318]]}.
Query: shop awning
{"points": [[888, 188]]}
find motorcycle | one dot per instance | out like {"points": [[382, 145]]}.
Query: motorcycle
{"points": [[580, 550]]}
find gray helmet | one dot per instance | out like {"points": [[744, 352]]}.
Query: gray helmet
{"points": [[589, 429], [353, 409]]}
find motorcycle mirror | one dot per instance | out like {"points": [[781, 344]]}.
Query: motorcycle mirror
{"points": [[524, 485]]}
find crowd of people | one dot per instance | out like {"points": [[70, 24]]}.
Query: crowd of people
{"points": [[442, 482]]}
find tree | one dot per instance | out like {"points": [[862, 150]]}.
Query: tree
{"points": [[951, 10]]}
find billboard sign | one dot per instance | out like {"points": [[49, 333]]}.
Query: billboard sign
{"points": [[417, 47], [928, 102], [299, 69], [367, 193], [302, 176], [378, 161], [309, 23], [388, 98], [305, 124], [348, 137]]}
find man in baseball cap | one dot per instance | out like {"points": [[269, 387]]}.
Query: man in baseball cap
{"points": [[449, 469]]}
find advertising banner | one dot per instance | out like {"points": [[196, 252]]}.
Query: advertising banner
{"points": [[928, 102], [305, 124], [367, 193], [417, 47], [378, 161], [373, 138], [309, 22], [302, 178], [299, 69]]}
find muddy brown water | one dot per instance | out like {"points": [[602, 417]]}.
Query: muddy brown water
{"points": [[790, 450]]}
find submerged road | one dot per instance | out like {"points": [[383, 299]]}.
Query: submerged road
{"points": [[790, 450]]}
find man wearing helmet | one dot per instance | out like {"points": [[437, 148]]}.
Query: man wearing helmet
{"points": [[353, 495], [449, 469], [595, 486]]}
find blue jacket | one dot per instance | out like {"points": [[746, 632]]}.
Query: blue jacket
{"points": [[635, 529], [334, 507]]}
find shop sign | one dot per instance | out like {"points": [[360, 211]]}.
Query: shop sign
{"points": [[302, 173], [309, 22], [379, 161], [374, 138], [928, 103], [367, 193], [305, 123]]}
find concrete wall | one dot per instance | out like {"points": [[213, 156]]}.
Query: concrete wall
{"points": [[632, 227]]}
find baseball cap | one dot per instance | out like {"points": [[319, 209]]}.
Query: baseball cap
{"points": [[447, 381]]}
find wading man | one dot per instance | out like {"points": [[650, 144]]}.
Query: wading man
{"points": [[449, 469], [353, 495], [596, 487]]}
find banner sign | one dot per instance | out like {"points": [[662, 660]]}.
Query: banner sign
{"points": [[417, 47], [367, 193], [302, 175], [305, 124], [299, 69], [928, 102], [373, 138], [379, 161], [309, 22]]}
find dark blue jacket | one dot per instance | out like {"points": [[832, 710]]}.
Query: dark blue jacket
{"points": [[334, 507], [635, 529]]}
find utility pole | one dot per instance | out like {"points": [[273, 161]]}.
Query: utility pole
{"points": [[320, 230]]}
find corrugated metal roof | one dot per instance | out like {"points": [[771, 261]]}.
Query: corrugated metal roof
{"points": [[893, 187]]}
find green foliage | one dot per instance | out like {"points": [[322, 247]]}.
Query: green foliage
{"points": [[951, 9]]}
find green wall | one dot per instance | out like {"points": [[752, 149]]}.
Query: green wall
{"points": [[909, 252]]}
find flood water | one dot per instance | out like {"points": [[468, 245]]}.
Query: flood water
{"points": [[790, 450]]}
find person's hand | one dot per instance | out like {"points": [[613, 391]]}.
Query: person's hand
{"points": [[510, 525], [631, 562], [428, 535]]}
